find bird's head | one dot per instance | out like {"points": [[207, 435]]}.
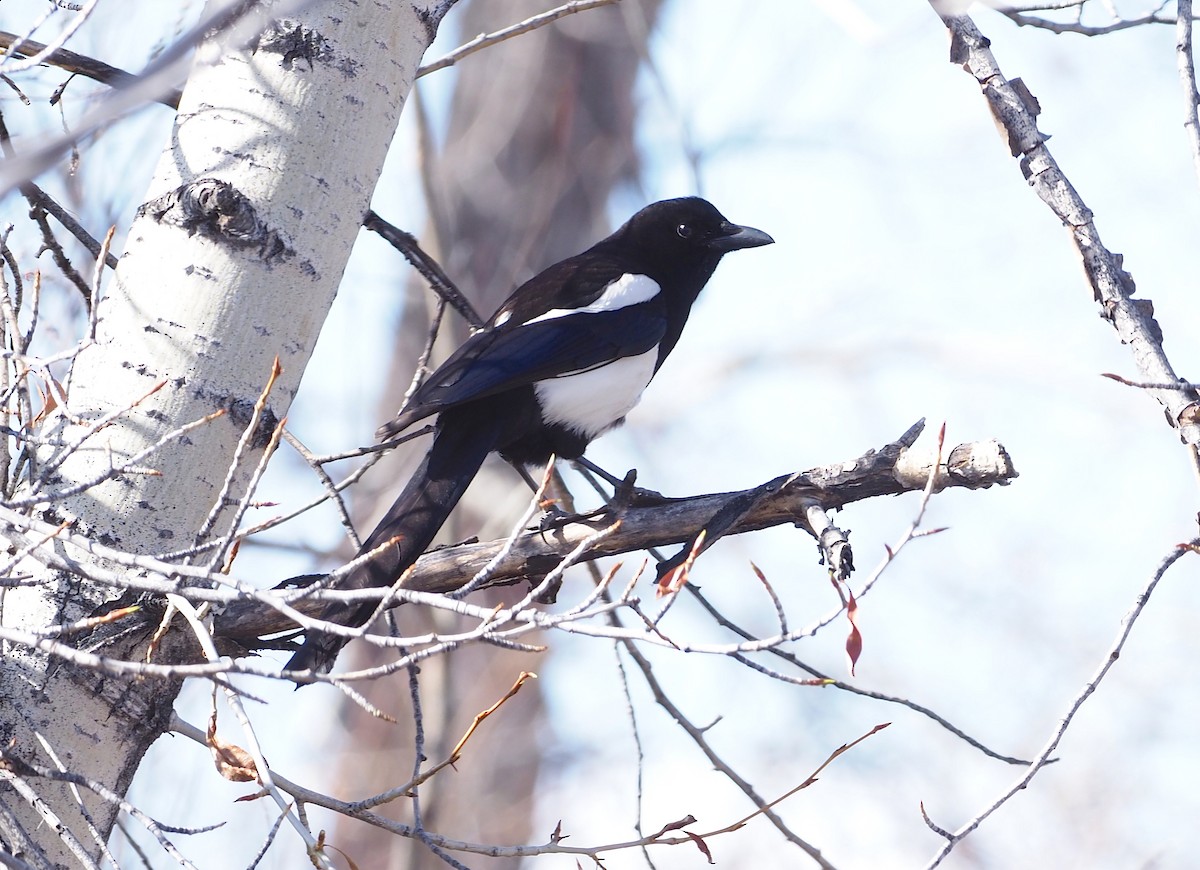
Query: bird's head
{"points": [[687, 229]]}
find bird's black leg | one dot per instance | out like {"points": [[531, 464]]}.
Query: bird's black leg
{"points": [[600, 472], [525, 475], [554, 516], [625, 494]]}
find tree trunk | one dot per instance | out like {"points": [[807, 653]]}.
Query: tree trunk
{"points": [[232, 262]]}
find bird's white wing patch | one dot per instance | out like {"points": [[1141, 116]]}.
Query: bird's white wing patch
{"points": [[593, 401], [629, 289]]}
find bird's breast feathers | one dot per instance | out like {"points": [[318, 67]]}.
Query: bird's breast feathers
{"points": [[592, 401]]}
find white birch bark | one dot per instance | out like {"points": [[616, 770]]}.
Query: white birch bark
{"points": [[233, 260]]}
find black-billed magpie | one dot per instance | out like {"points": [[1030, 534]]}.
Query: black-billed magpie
{"points": [[563, 360]]}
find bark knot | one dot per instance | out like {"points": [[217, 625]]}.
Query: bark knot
{"points": [[294, 42], [218, 211]]}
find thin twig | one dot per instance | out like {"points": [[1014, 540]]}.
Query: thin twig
{"points": [[1063, 723], [10, 65], [332, 492], [431, 271], [698, 737], [262, 769], [485, 40], [1018, 17], [821, 678], [16, 770]]}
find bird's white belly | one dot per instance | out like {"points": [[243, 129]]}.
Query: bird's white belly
{"points": [[593, 401]]}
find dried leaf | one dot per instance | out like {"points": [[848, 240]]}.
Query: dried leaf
{"points": [[675, 579], [677, 825], [349, 861], [701, 845], [233, 762], [854, 642], [49, 400]]}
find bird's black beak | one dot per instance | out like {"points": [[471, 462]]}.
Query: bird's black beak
{"points": [[733, 238]]}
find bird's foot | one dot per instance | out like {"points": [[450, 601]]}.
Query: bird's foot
{"points": [[627, 495]]}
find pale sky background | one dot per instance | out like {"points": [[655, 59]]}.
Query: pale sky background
{"points": [[915, 275]]}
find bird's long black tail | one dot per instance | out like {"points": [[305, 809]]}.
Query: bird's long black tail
{"points": [[458, 450]]}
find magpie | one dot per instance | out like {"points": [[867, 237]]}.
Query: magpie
{"points": [[562, 361]]}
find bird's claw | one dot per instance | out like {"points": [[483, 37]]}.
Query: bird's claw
{"points": [[554, 517]]}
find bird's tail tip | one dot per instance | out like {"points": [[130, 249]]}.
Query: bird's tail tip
{"points": [[398, 424]]}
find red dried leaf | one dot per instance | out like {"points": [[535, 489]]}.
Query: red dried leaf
{"points": [[701, 845], [854, 642], [49, 400], [677, 577], [677, 825]]}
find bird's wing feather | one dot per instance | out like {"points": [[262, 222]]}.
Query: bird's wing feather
{"points": [[571, 283], [500, 359]]}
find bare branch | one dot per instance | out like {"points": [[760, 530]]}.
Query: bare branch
{"points": [[79, 64], [823, 679], [430, 269], [15, 771], [1015, 110]]}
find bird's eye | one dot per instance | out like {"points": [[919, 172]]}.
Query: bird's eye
{"points": [[684, 231]]}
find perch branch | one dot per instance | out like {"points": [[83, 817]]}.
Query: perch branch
{"points": [[891, 470]]}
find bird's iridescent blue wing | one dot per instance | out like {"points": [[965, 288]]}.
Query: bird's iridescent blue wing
{"points": [[505, 357]]}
